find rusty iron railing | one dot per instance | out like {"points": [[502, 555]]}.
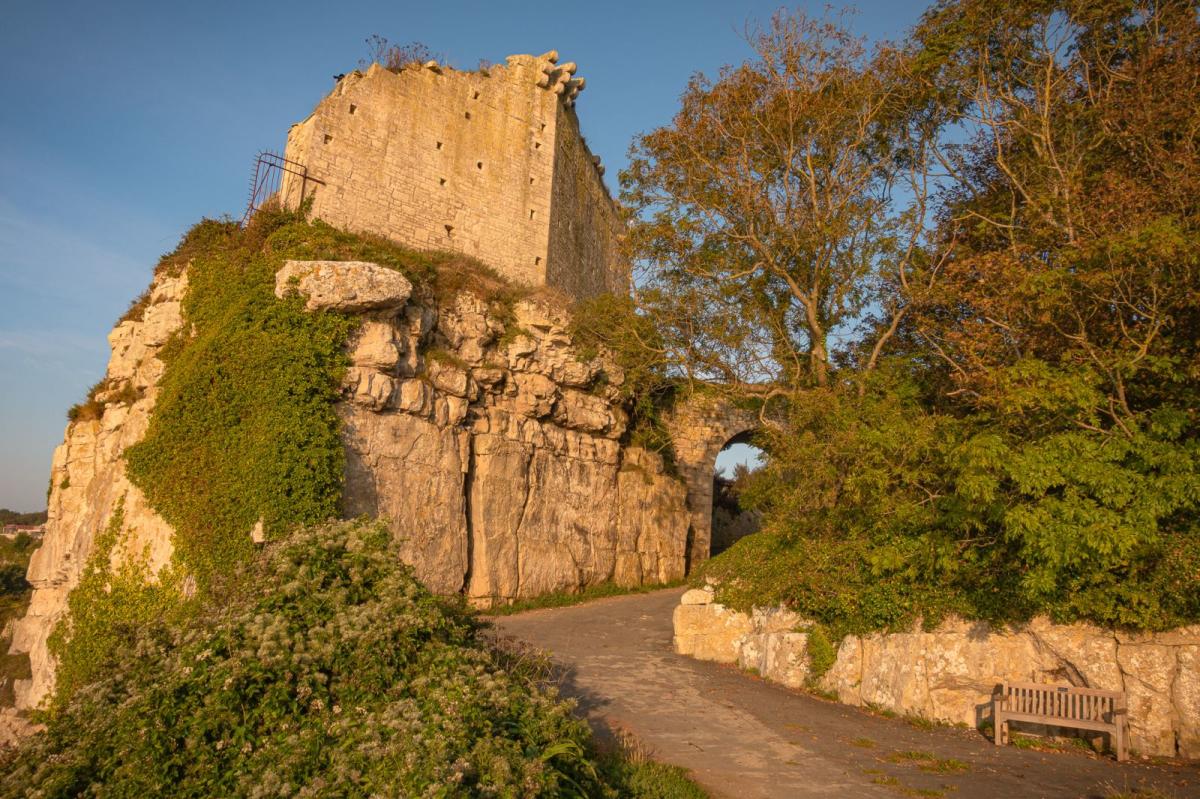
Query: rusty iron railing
{"points": [[267, 180]]}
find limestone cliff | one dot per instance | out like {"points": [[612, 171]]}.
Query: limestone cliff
{"points": [[87, 481], [495, 453], [492, 450]]}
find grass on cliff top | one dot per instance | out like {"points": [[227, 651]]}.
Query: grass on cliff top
{"points": [[330, 672]]}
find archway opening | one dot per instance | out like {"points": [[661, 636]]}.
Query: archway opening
{"points": [[732, 520]]}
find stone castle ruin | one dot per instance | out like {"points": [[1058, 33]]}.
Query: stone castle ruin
{"points": [[493, 448], [490, 164]]}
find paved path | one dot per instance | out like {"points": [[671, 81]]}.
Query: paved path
{"points": [[745, 738]]}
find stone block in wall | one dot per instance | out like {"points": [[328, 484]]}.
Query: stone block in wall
{"points": [[1186, 698], [375, 346], [710, 632]]}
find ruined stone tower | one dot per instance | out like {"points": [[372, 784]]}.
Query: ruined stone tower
{"points": [[490, 164]]}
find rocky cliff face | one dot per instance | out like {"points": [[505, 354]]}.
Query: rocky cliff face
{"points": [[494, 451], [87, 481], [948, 674], [490, 448]]}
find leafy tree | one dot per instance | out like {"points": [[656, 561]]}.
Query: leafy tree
{"points": [[1032, 443], [771, 215]]}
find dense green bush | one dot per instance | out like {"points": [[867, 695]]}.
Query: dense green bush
{"points": [[880, 511], [331, 672]]}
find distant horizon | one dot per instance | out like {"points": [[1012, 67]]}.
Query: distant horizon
{"points": [[131, 122]]}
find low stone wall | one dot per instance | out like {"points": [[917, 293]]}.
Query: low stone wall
{"points": [[948, 674]]}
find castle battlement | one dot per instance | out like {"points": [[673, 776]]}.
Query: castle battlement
{"points": [[490, 164]]}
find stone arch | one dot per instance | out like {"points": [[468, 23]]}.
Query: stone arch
{"points": [[700, 427]]}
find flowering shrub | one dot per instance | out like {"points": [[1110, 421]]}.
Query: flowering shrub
{"points": [[332, 672]]}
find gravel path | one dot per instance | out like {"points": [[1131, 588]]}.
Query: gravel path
{"points": [[744, 738]]}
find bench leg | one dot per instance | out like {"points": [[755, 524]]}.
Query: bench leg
{"points": [[999, 728], [1119, 742]]}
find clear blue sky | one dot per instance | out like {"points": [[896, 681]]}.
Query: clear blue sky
{"points": [[122, 123]]}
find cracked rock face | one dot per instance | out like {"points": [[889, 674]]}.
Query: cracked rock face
{"points": [[497, 460], [87, 481], [948, 674]]}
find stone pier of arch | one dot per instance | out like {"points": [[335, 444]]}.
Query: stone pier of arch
{"points": [[700, 427]]}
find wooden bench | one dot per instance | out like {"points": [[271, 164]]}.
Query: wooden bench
{"points": [[1062, 706]]}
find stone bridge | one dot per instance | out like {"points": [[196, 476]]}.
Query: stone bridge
{"points": [[700, 427]]}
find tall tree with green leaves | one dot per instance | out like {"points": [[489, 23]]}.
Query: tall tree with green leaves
{"points": [[779, 205]]}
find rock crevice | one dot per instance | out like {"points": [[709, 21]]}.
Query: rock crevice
{"points": [[492, 448]]}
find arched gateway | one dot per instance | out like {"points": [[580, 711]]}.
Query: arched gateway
{"points": [[701, 426]]}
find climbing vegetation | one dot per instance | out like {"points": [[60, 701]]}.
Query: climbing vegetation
{"points": [[107, 610], [244, 427]]}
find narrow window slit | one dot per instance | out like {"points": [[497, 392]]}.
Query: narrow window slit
{"points": [[468, 115], [441, 181], [439, 145], [449, 230], [353, 108], [328, 138], [479, 165]]}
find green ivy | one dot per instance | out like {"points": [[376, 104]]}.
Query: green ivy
{"points": [[108, 608]]}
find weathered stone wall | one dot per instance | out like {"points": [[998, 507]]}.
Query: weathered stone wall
{"points": [[583, 258], [469, 162], [948, 674], [497, 458], [87, 481]]}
